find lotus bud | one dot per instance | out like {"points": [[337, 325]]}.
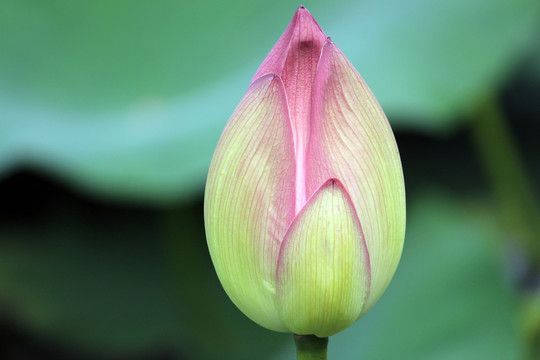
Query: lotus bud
{"points": [[305, 201]]}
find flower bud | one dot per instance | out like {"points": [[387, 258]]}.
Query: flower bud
{"points": [[305, 201]]}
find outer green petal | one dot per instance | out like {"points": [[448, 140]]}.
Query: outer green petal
{"points": [[323, 270], [249, 199], [351, 140]]}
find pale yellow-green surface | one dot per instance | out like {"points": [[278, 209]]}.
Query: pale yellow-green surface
{"points": [[249, 200], [323, 272]]}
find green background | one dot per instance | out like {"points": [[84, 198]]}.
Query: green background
{"points": [[110, 112]]}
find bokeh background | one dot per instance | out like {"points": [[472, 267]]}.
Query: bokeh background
{"points": [[109, 114]]}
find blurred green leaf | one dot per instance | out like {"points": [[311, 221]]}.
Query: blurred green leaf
{"points": [[89, 283], [128, 98], [109, 282], [448, 299]]}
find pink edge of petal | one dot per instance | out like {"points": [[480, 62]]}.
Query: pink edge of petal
{"points": [[271, 78], [275, 60], [327, 51], [321, 73], [274, 78], [357, 220], [329, 182], [252, 85]]}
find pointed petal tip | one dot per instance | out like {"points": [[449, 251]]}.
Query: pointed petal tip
{"points": [[306, 25], [332, 182], [329, 45], [304, 17], [301, 9], [302, 12], [336, 184], [270, 77], [303, 32]]}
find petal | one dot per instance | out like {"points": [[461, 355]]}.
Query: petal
{"points": [[351, 140], [302, 28], [249, 199], [294, 58], [323, 268]]}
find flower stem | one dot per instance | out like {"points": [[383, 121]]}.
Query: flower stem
{"points": [[310, 347], [501, 158]]}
